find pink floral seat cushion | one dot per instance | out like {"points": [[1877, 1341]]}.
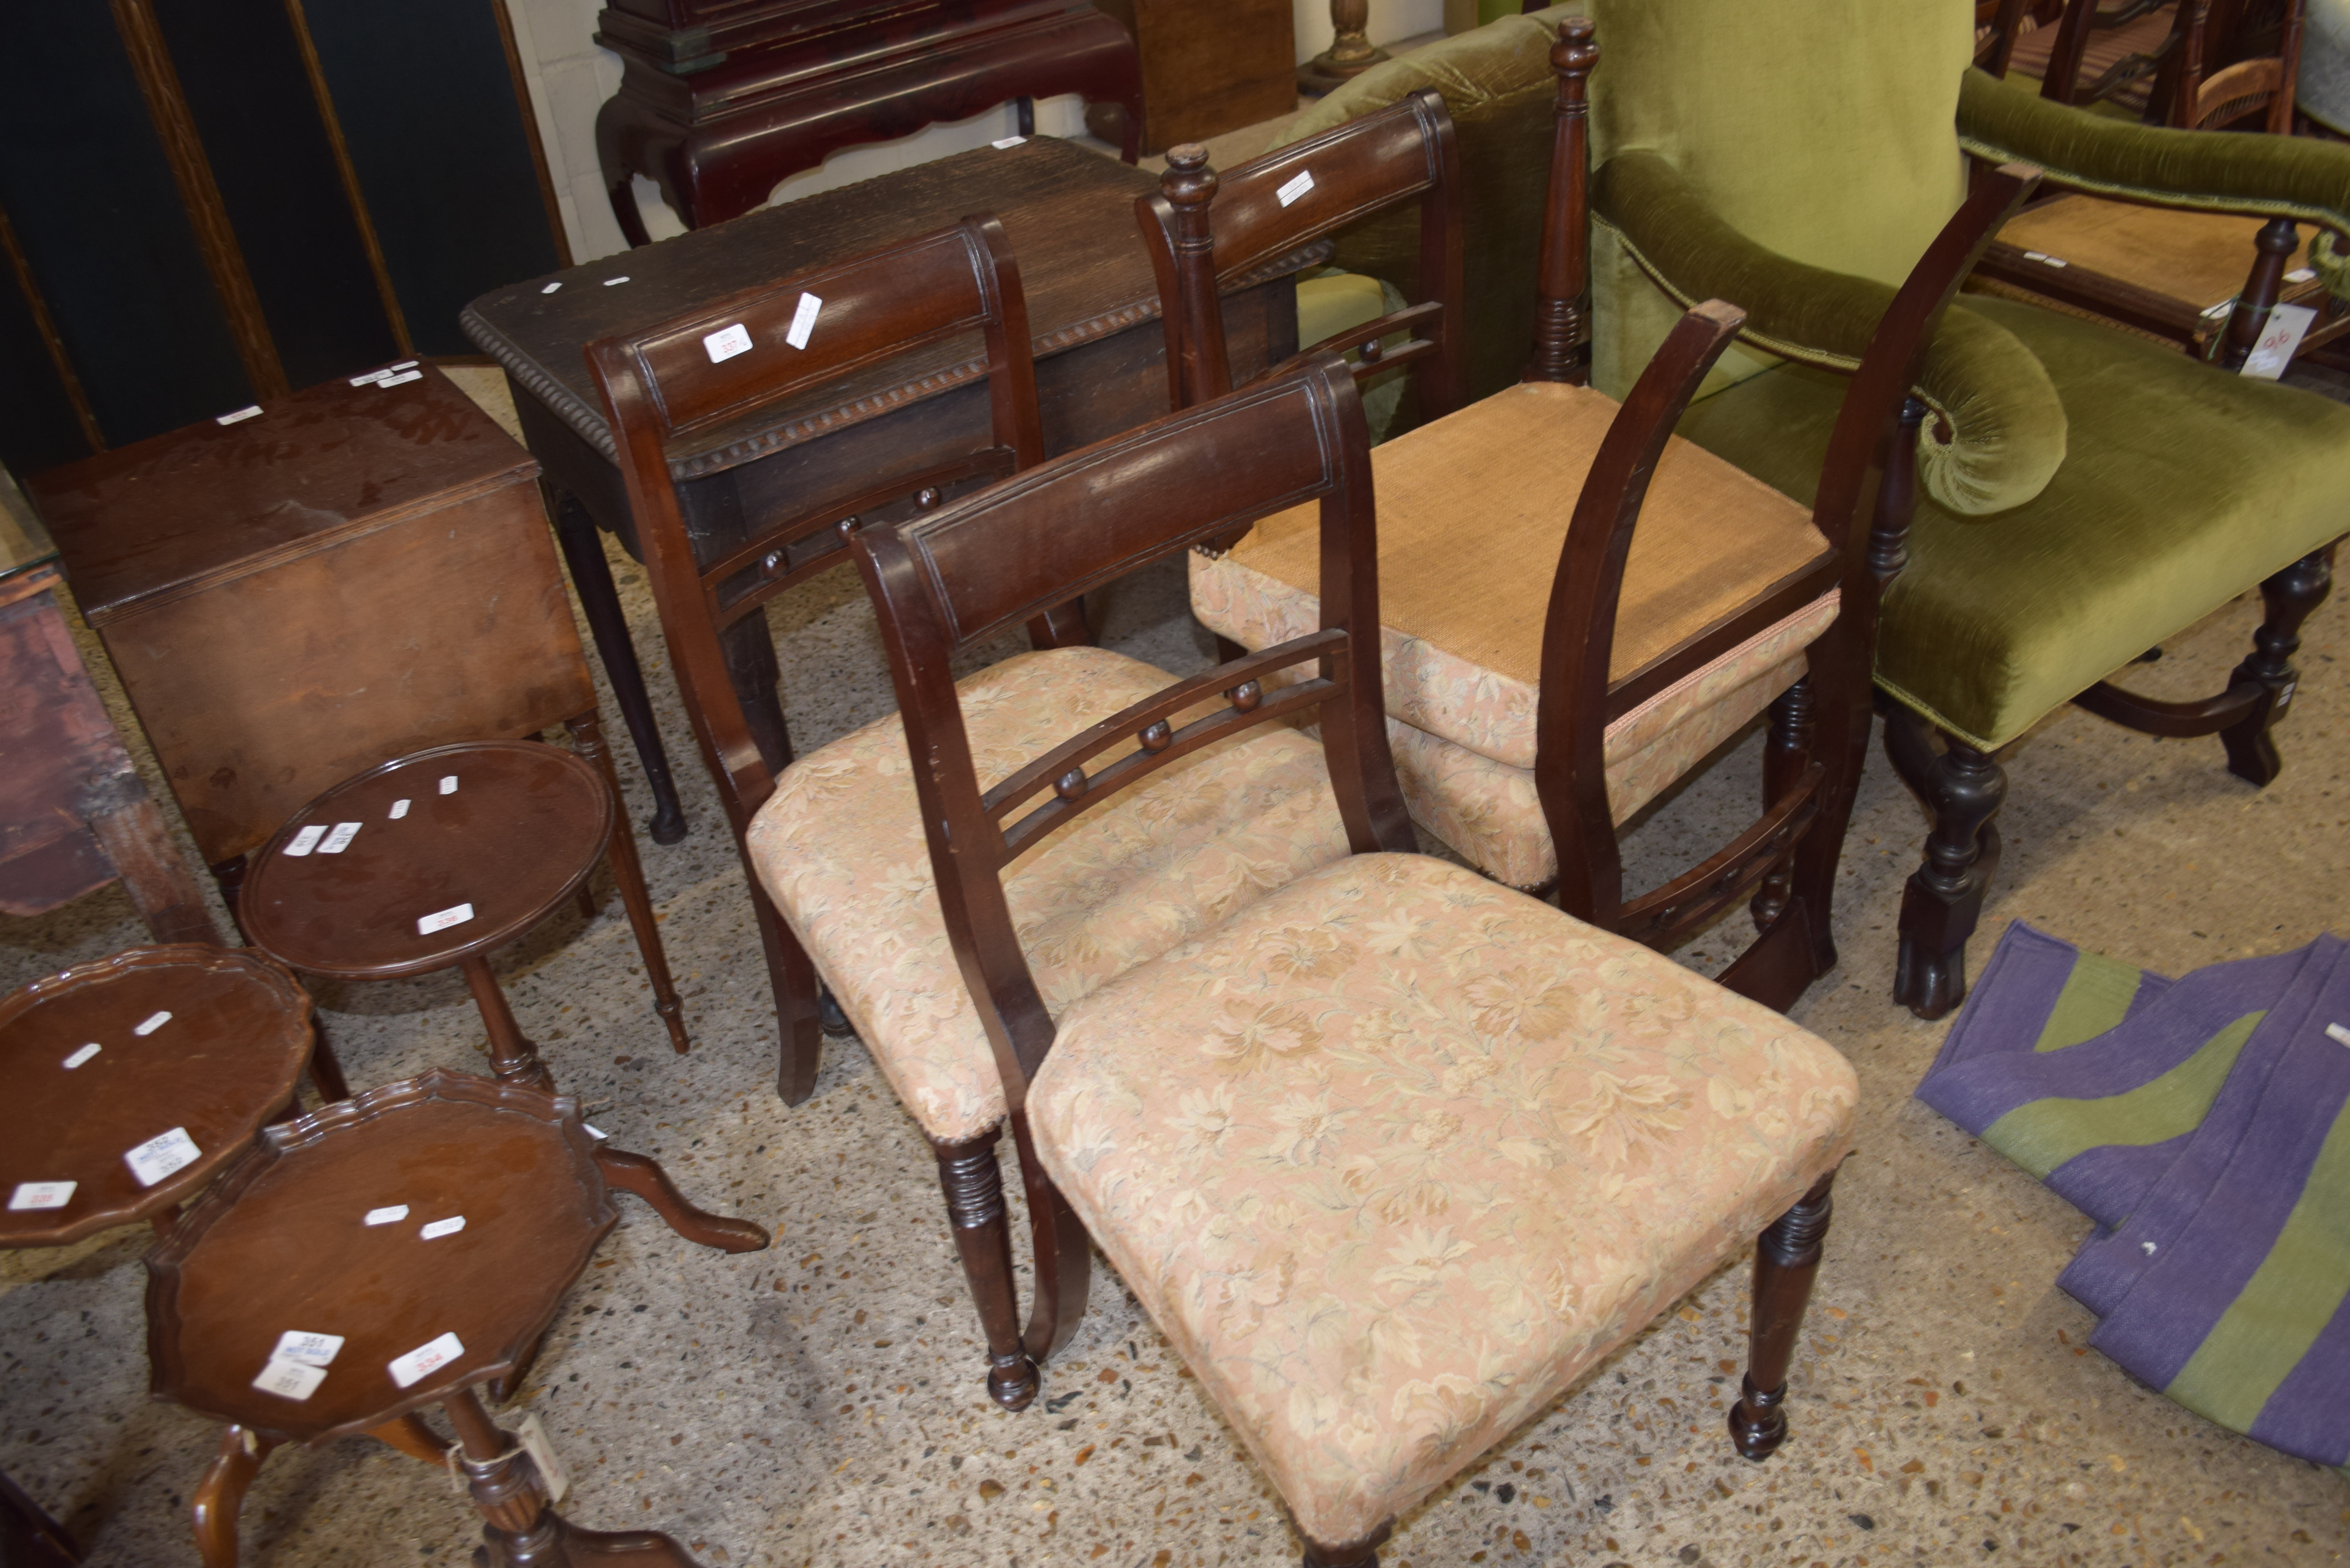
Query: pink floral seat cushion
{"points": [[839, 848], [1395, 1154]]}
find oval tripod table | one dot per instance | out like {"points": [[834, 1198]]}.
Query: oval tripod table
{"points": [[390, 1253], [430, 861]]}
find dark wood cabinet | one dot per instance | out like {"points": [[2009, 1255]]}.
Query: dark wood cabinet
{"points": [[1207, 67]]}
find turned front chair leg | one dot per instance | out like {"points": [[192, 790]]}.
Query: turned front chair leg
{"points": [[219, 1496], [1786, 754], [513, 1057], [1786, 1260], [974, 1185], [2292, 596], [1963, 788], [629, 871]]}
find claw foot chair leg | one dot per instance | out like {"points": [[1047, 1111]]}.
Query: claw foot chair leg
{"points": [[1962, 789], [974, 1185], [2292, 596], [1786, 1260]]}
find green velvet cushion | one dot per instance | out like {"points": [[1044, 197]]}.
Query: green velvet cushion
{"points": [[2001, 434], [2274, 176], [2184, 486]]}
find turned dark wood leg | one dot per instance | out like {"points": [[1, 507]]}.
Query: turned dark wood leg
{"points": [[228, 876], [1786, 1260], [512, 1055], [620, 853], [326, 1072], [1363, 1553], [1350, 54], [599, 599], [2292, 596], [974, 1185], [643, 1176], [1063, 1254], [219, 1496], [1963, 788], [1787, 753], [798, 999], [2277, 240]]}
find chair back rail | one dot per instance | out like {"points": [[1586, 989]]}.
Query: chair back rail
{"points": [[1290, 197], [943, 583], [763, 347]]}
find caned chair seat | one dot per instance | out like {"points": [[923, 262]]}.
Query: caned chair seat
{"points": [[1462, 637], [839, 848], [1395, 1154]]}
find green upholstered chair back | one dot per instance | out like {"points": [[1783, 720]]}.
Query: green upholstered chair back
{"points": [[1824, 130]]}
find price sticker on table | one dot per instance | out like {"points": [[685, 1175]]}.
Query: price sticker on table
{"points": [[804, 321], [306, 840], [289, 1379], [309, 1349], [727, 342], [424, 1359], [441, 921], [151, 1022], [391, 1215], [161, 1154], [82, 1056], [399, 809], [440, 1227], [340, 839], [42, 1195], [448, 783]]}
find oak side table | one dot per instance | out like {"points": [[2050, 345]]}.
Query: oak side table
{"points": [[430, 861], [354, 573], [391, 1252], [1093, 312]]}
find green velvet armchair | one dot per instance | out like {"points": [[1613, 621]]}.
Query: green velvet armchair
{"points": [[2062, 497]]}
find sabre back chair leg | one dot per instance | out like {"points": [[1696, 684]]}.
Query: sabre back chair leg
{"points": [[1063, 1254], [628, 872], [974, 1185], [2292, 596], [792, 977], [1962, 789], [1786, 1261]]}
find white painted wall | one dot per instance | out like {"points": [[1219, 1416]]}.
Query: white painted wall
{"points": [[570, 78], [1390, 20]]}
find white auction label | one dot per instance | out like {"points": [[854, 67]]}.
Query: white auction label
{"points": [[161, 1154], [440, 922], [531, 1433], [151, 1022], [42, 1194], [239, 416], [403, 365], [1296, 187], [289, 1379], [804, 321], [306, 840], [83, 1054], [448, 783], [369, 379], [1007, 141], [551, 287], [388, 1216], [727, 342], [340, 839], [612, 282], [399, 809], [2333, 1032], [2300, 275], [403, 379], [2278, 340], [440, 1227], [406, 1369], [309, 1349]]}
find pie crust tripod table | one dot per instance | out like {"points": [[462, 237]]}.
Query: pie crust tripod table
{"points": [[391, 1252]]}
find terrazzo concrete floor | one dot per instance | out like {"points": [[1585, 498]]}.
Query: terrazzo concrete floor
{"points": [[820, 1403]]}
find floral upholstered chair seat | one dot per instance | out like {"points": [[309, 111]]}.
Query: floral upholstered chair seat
{"points": [[1395, 1154], [839, 847], [1462, 643]]}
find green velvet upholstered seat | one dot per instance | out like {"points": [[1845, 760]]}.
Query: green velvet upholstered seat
{"points": [[2182, 487]]}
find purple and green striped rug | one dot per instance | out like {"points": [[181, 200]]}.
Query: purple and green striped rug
{"points": [[2204, 1123]]}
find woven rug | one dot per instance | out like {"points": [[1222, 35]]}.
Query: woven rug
{"points": [[2200, 1123]]}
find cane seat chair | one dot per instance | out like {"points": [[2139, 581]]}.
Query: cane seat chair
{"points": [[1224, 1114], [1550, 669], [725, 363]]}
